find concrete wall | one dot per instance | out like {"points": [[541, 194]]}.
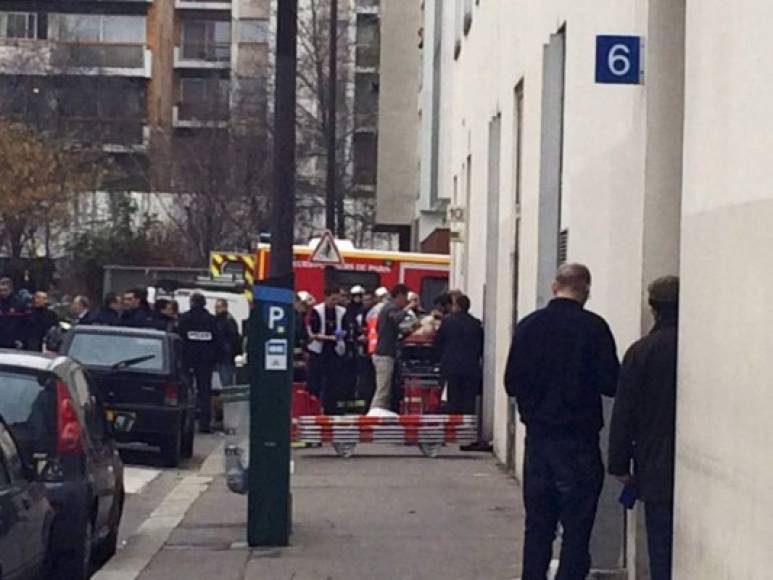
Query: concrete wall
{"points": [[724, 425], [620, 177], [398, 156]]}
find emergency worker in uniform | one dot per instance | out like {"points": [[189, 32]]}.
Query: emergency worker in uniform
{"points": [[14, 317], [327, 348], [353, 328], [203, 345]]}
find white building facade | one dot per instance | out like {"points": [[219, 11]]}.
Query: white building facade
{"points": [[637, 181]]}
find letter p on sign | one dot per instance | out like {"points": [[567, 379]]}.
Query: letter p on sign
{"points": [[618, 60], [276, 315]]}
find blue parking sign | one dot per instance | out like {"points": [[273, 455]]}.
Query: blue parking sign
{"points": [[618, 60]]}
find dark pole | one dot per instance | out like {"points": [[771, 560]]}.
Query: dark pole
{"points": [[283, 206], [272, 319], [332, 106]]}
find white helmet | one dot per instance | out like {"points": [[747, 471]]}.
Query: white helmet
{"points": [[306, 297], [381, 293], [357, 290]]}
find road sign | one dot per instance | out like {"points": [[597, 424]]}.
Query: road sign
{"points": [[618, 60], [327, 251], [271, 330]]}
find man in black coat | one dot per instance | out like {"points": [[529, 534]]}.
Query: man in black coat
{"points": [[562, 360], [14, 317], [42, 320], [203, 345], [460, 345], [642, 433], [228, 329], [137, 312]]}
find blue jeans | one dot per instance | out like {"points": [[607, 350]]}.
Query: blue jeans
{"points": [[563, 477], [227, 374], [660, 538]]}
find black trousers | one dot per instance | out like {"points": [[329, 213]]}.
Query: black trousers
{"points": [[563, 478], [326, 381], [660, 538], [463, 390], [203, 377], [366, 381]]}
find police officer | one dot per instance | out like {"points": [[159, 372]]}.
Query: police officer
{"points": [[203, 345], [327, 348], [14, 317]]}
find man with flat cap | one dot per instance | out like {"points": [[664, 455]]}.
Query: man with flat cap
{"points": [[642, 434]]}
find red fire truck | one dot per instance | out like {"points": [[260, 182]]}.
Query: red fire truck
{"points": [[425, 274]]}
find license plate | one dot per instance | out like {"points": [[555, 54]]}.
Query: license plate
{"points": [[123, 422]]}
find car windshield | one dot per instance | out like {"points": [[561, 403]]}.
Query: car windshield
{"points": [[28, 408], [105, 350]]}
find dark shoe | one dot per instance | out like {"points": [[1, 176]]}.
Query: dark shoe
{"points": [[205, 430]]}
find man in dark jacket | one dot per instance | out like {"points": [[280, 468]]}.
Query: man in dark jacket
{"points": [[229, 331], [136, 312], [563, 359], [14, 317], [109, 314], [42, 319], [460, 344], [644, 423], [203, 344]]}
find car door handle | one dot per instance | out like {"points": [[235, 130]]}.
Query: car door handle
{"points": [[26, 504]]}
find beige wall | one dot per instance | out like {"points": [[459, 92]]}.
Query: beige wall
{"points": [[725, 406], [621, 178], [398, 178]]}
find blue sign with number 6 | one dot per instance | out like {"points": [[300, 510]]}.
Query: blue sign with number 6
{"points": [[618, 60]]}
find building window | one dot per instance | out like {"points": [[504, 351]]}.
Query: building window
{"points": [[18, 25], [206, 40], [204, 99], [253, 31], [97, 28]]}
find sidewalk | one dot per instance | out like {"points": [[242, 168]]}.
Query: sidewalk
{"points": [[386, 514]]}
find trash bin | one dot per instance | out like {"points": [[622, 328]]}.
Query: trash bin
{"points": [[236, 424]]}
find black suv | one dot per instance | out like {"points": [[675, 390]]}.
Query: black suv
{"points": [[25, 514], [58, 421], [146, 388]]}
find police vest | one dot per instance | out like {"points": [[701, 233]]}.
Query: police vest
{"points": [[317, 346]]}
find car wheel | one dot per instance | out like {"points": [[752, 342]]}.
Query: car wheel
{"points": [[189, 437], [76, 564], [171, 450]]}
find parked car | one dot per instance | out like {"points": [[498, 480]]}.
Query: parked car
{"points": [[58, 421], [148, 393], [25, 514]]}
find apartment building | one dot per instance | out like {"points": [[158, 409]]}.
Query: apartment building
{"points": [[140, 80], [413, 101], [397, 183]]}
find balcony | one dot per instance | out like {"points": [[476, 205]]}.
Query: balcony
{"points": [[223, 5], [40, 57], [110, 135], [203, 56], [200, 115], [367, 6]]}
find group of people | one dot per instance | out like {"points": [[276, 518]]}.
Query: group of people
{"points": [[562, 361], [352, 340], [211, 341]]}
